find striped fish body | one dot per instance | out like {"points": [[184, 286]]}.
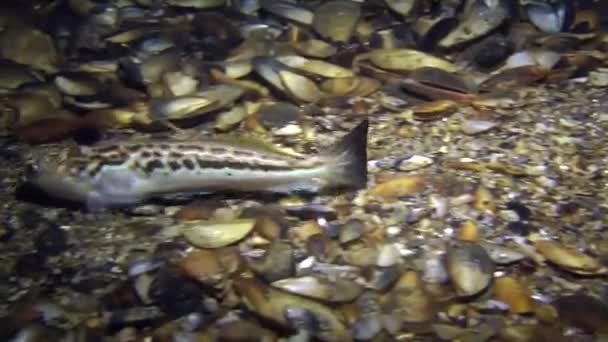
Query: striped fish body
{"points": [[125, 174]]}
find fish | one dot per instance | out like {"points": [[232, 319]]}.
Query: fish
{"points": [[130, 173]]}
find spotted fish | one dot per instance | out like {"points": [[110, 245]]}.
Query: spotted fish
{"points": [[130, 173]]}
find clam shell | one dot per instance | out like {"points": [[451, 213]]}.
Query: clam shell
{"points": [[208, 234]]}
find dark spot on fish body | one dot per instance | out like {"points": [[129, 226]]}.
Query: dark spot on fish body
{"points": [[153, 165], [174, 165], [176, 155], [157, 154], [146, 154], [133, 148], [189, 164], [107, 149], [113, 161], [218, 150], [243, 153]]}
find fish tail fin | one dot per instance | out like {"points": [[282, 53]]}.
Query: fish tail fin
{"points": [[348, 159]]}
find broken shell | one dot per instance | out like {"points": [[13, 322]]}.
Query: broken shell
{"points": [[414, 163], [336, 20], [331, 290], [209, 234], [204, 266], [568, 258], [472, 127], [277, 263], [402, 7], [470, 268], [502, 255], [351, 230], [508, 290]]}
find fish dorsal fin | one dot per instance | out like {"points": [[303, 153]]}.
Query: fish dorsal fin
{"points": [[255, 143]]}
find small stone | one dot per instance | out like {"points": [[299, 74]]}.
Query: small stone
{"points": [[519, 228], [31, 264], [472, 127], [175, 294], [522, 211], [388, 256], [52, 241]]}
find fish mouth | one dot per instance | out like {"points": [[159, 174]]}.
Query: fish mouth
{"points": [[60, 187]]}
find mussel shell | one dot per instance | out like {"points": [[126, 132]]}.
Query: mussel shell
{"points": [[272, 304], [551, 18], [479, 21], [196, 3], [206, 234], [406, 60], [401, 7], [288, 10], [337, 290], [268, 68], [336, 20], [315, 48], [150, 69], [78, 84], [300, 87], [470, 268], [429, 30]]}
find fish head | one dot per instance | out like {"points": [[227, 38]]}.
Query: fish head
{"points": [[58, 176]]}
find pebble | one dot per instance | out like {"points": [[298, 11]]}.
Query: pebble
{"points": [[52, 241]]}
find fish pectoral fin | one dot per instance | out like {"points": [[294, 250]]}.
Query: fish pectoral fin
{"points": [[115, 187]]}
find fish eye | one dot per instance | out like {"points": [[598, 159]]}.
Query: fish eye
{"points": [[31, 170]]}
